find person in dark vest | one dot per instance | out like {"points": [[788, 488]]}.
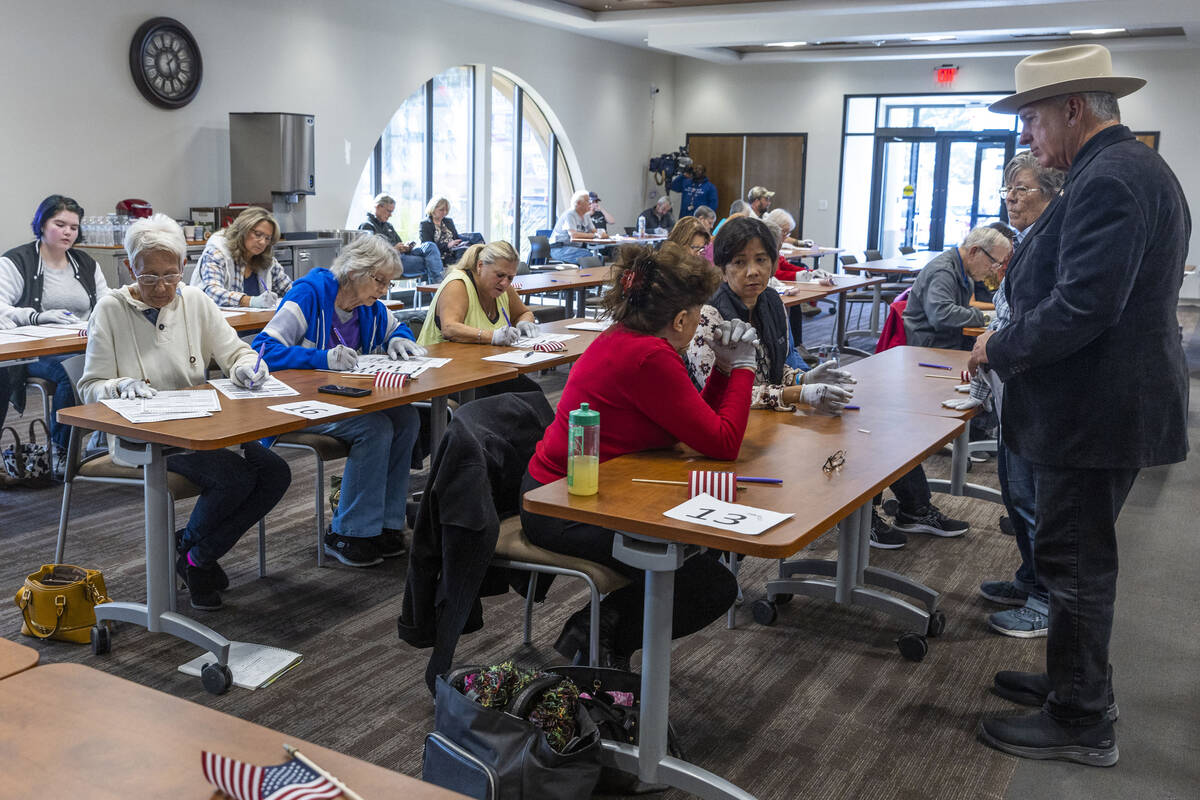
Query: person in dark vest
{"points": [[48, 282]]}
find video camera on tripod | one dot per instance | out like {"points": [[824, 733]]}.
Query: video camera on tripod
{"points": [[667, 165]]}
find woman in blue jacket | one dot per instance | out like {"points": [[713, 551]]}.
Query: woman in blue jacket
{"points": [[326, 320]]}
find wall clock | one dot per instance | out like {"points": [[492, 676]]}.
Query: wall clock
{"points": [[165, 61]]}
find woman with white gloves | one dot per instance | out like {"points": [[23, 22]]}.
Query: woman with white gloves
{"points": [[154, 334], [477, 303], [238, 266]]}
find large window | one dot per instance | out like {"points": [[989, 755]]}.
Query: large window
{"points": [[429, 146]]}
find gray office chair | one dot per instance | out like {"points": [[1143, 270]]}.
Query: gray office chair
{"points": [[46, 389], [322, 448], [100, 468], [907, 251]]}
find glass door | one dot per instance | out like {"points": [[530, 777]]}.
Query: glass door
{"points": [[902, 205]]}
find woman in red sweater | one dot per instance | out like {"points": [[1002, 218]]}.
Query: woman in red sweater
{"points": [[634, 376]]}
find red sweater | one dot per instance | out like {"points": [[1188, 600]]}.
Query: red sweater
{"points": [[646, 401], [786, 270]]}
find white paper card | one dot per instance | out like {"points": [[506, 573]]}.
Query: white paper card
{"points": [[311, 409], [272, 388], [704, 509], [38, 332], [598, 325], [528, 342], [182, 404], [253, 665], [521, 358]]}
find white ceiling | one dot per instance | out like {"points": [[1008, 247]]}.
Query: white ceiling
{"points": [[708, 32]]}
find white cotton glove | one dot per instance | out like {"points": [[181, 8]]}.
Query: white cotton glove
{"points": [[734, 345], [247, 377], [962, 403], [132, 388], [341, 358], [824, 397], [807, 243], [528, 329], [56, 316], [400, 349], [827, 373], [6, 323], [266, 300], [505, 337]]}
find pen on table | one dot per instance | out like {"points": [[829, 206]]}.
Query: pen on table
{"points": [[852, 408], [347, 792], [258, 362], [931, 366]]}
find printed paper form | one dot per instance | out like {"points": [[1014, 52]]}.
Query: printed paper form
{"points": [[375, 364], [529, 342], [527, 357], [272, 388]]}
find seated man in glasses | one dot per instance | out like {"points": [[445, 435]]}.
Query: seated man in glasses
{"points": [[939, 305]]}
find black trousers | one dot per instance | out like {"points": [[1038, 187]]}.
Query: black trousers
{"points": [[704, 587], [912, 490], [1076, 560]]}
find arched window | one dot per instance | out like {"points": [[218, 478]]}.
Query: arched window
{"points": [[429, 145]]}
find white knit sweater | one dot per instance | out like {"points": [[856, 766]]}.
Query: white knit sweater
{"points": [[169, 354]]}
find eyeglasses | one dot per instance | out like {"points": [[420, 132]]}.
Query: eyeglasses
{"points": [[995, 261], [259, 235], [834, 462], [151, 281], [1019, 191], [380, 280], [697, 249]]}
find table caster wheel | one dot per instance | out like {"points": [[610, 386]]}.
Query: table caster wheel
{"points": [[937, 623], [764, 612], [912, 646], [101, 640], [216, 678], [782, 599]]}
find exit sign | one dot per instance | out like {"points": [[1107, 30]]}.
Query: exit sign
{"points": [[945, 74]]}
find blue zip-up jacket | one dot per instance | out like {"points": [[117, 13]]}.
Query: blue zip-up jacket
{"points": [[298, 336], [694, 194]]}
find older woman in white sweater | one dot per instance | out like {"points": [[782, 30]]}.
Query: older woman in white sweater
{"points": [[155, 334]]}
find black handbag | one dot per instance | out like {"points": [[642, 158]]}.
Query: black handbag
{"points": [[491, 754], [610, 698]]}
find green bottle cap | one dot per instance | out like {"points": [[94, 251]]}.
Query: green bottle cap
{"points": [[583, 416]]}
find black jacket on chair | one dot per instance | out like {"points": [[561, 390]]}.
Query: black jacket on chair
{"points": [[1092, 363], [474, 482]]}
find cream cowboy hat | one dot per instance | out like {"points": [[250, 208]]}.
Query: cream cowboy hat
{"points": [[1065, 70]]}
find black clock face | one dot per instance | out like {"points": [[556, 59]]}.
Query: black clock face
{"points": [[165, 62]]}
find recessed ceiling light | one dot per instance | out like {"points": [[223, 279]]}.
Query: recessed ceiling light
{"points": [[785, 44], [1097, 31], [930, 38]]}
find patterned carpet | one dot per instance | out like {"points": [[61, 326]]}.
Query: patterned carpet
{"points": [[819, 705]]}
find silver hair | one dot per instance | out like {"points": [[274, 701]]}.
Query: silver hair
{"points": [[383, 199], [582, 194], [781, 218], [365, 256], [704, 211], [775, 230], [664, 200], [1103, 106], [985, 237], [1049, 180], [738, 207], [432, 205], [158, 232]]}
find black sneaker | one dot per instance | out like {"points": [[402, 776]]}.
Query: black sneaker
{"points": [[1038, 735], [1006, 527], [353, 551], [201, 584], [390, 543], [930, 521], [884, 536], [222, 578]]}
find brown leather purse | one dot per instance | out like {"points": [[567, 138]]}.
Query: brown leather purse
{"points": [[59, 601]]}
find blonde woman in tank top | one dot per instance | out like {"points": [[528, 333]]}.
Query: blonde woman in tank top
{"points": [[477, 303]]}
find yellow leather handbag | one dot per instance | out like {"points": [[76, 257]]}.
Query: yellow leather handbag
{"points": [[59, 601]]}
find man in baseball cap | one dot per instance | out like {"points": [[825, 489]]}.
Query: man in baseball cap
{"points": [[1095, 282], [759, 199]]}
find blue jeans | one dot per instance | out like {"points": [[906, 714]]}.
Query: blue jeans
{"points": [[565, 252], [793, 359], [1020, 499], [236, 491], [375, 481], [424, 261], [50, 368], [1076, 554]]}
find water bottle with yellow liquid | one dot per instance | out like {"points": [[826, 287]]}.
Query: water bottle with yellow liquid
{"points": [[583, 451]]}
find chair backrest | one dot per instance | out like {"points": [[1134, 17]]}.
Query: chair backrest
{"points": [[629, 229], [522, 268], [907, 251], [73, 366], [543, 232], [848, 259], [539, 249], [588, 262], [873, 255]]}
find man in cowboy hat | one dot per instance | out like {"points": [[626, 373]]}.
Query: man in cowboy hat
{"points": [[1096, 386]]}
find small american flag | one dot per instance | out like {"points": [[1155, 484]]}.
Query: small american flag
{"points": [[721, 485], [391, 380], [550, 347], [290, 781]]}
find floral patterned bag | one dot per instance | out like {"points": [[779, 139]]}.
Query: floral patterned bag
{"points": [[27, 462]]}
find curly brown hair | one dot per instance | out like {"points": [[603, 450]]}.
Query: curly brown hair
{"points": [[651, 286]]}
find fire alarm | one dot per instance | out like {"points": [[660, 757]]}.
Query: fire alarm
{"points": [[945, 74]]}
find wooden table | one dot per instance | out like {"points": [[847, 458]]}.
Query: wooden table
{"points": [[794, 446], [894, 379], [239, 421], [910, 264], [123, 740], [575, 348], [574, 281], [14, 658], [978, 331]]}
